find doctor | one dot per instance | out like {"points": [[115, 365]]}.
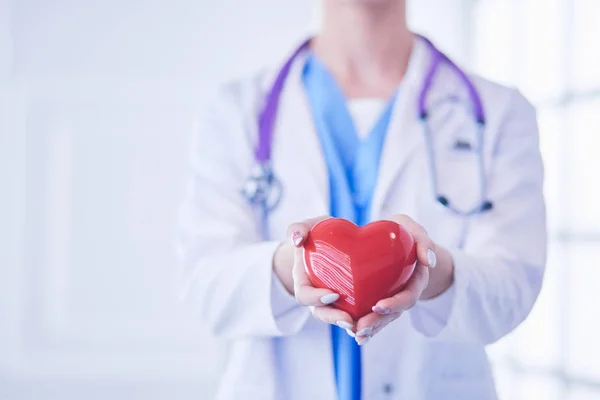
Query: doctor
{"points": [[366, 121]]}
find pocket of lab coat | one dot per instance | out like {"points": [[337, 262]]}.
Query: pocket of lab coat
{"points": [[462, 371], [442, 225], [458, 361], [458, 179]]}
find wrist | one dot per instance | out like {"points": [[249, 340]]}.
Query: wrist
{"points": [[442, 276], [283, 264]]}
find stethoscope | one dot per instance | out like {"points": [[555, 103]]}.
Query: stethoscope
{"points": [[264, 190]]}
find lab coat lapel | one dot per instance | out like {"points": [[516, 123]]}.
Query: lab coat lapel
{"points": [[295, 134], [404, 131], [299, 158]]}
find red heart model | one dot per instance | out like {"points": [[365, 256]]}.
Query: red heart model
{"points": [[362, 264]]}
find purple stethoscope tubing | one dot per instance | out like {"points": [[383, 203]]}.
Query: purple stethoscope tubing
{"points": [[263, 178], [477, 107], [436, 60], [266, 120]]}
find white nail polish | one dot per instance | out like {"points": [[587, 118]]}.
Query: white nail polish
{"points": [[330, 298], [363, 341], [365, 332], [311, 308], [350, 333], [381, 310], [344, 325], [431, 258]]}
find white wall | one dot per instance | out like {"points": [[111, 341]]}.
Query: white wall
{"points": [[93, 137], [446, 23], [96, 102]]}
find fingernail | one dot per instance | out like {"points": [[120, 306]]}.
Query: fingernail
{"points": [[350, 333], [344, 325], [365, 332], [329, 298], [296, 238], [381, 310], [311, 308], [363, 341], [431, 259]]}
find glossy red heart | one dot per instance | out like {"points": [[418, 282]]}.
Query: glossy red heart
{"points": [[363, 264]]}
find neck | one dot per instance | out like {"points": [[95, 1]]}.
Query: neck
{"points": [[366, 45]]}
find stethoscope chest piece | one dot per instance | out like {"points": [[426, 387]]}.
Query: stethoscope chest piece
{"points": [[262, 187]]}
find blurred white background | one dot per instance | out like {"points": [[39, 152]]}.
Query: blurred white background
{"points": [[96, 105], [549, 49]]}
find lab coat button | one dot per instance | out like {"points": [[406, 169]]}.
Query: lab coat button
{"points": [[388, 388]]}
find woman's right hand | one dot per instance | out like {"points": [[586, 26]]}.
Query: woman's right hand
{"points": [[318, 300]]}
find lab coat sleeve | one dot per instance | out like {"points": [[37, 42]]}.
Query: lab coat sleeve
{"points": [[430, 316], [498, 272], [227, 277]]}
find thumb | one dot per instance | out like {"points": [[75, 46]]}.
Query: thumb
{"points": [[297, 232]]}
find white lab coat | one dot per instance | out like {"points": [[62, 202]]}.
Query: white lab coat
{"points": [[434, 351]]}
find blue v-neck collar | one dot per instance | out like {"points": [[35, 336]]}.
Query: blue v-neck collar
{"points": [[352, 163]]}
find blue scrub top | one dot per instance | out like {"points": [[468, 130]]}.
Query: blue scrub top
{"points": [[353, 165]]}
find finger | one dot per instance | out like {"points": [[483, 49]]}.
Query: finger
{"points": [[298, 231], [366, 324], [425, 249], [408, 297], [408, 223], [333, 316], [425, 246], [306, 294], [362, 340], [371, 324]]}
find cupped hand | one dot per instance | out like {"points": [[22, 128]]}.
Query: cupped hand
{"points": [[387, 310], [318, 300]]}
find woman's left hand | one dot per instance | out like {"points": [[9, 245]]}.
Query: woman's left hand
{"points": [[387, 310]]}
